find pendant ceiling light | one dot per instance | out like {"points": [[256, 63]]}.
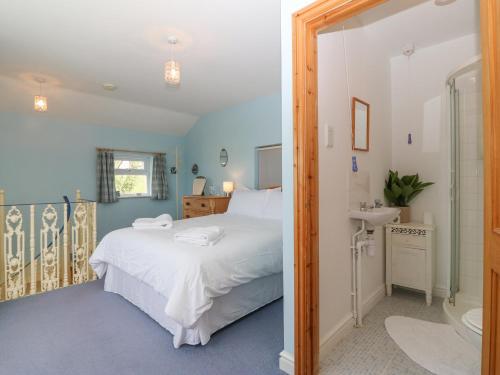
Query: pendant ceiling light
{"points": [[40, 104], [172, 67]]}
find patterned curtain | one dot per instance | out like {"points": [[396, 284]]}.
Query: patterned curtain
{"points": [[106, 192], [159, 185]]}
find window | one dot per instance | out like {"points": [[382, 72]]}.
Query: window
{"points": [[133, 175]]}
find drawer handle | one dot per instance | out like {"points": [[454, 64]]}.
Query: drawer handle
{"points": [[203, 205], [188, 216], [188, 203]]}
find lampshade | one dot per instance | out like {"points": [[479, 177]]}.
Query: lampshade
{"points": [[173, 73], [228, 187], [40, 104]]}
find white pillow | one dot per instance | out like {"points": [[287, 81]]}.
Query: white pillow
{"points": [[274, 205], [247, 202]]}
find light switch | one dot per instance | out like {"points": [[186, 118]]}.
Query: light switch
{"points": [[328, 136]]}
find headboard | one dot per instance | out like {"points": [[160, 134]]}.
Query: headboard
{"points": [[268, 172]]}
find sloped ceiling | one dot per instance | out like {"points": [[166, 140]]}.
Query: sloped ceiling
{"points": [[229, 52]]}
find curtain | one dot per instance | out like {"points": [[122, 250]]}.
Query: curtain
{"points": [[106, 192], [159, 186]]}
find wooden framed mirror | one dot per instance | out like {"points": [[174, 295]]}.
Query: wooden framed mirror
{"points": [[360, 125]]}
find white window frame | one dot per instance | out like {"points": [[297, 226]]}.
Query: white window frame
{"points": [[148, 171]]}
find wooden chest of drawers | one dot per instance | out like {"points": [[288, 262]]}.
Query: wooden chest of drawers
{"points": [[195, 205]]}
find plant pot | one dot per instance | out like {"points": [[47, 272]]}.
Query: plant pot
{"points": [[404, 215]]}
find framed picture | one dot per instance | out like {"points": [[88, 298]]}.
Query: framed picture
{"points": [[199, 185]]}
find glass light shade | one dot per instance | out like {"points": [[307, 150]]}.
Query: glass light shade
{"points": [[172, 73], [228, 187], [40, 104]]}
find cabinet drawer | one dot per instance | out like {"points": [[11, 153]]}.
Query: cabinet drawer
{"points": [[198, 204], [408, 267], [408, 240], [188, 213]]}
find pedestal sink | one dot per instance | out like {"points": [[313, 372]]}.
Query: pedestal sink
{"points": [[375, 216]]}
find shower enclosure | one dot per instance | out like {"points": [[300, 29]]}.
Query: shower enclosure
{"points": [[466, 193], [466, 183]]}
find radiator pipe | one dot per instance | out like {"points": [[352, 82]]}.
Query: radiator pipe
{"points": [[356, 275]]}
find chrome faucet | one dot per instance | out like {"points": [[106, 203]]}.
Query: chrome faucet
{"points": [[364, 206], [378, 203]]}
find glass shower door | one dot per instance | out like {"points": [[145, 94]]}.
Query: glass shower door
{"points": [[455, 191]]}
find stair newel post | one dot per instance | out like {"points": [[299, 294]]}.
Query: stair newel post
{"points": [[94, 233], [87, 235], [32, 250], [2, 247], [65, 246]]}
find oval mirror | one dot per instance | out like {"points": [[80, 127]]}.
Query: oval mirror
{"points": [[194, 169], [223, 157]]}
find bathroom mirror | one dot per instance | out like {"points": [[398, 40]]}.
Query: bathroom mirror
{"points": [[223, 157], [360, 125]]}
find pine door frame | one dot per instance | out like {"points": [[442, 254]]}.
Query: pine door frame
{"points": [[306, 24]]}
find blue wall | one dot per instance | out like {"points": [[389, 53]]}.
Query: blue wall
{"points": [[239, 130], [42, 158]]}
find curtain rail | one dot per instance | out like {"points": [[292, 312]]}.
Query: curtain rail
{"points": [[131, 151]]}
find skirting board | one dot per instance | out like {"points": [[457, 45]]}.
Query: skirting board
{"points": [[346, 326], [341, 330], [286, 362]]}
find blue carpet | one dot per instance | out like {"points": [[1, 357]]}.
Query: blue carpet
{"points": [[83, 330]]}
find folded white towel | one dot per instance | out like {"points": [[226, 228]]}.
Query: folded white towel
{"points": [[163, 221], [202, 236], [152, 226]]}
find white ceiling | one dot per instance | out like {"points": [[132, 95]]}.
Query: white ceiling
{"points": [[229, 52], [399, 22]]}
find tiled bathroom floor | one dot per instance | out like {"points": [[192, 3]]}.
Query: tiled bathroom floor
{"points": [[370, 349]]}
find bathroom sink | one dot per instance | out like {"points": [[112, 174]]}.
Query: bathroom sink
{"points": [[375, 216]]}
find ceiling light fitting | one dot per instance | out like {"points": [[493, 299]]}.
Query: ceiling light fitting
{"points": [[40, 104], [172, 67], [109, 86], [441, 3]]}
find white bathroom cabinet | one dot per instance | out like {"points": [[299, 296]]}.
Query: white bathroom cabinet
{"points": [[410, 257]]}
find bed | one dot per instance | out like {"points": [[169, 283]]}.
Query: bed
{"points": [[193, 291]]}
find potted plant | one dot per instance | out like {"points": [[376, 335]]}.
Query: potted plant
{"points": [[400, 192]]}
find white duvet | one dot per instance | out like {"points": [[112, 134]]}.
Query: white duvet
{"points": [[191, 276]]}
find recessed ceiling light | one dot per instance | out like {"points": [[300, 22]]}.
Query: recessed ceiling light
{"points": [[109, 86], [440, 3]]}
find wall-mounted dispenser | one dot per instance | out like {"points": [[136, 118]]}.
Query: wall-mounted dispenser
{"points": [[354, 164]]}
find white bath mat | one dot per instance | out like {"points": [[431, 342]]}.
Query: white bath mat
{"points": [[436, 347]]}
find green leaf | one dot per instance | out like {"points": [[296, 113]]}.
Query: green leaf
{"points": [[396, 190], [400, 191], [390, 196]]}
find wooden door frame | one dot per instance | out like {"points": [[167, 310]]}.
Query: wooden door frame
{"points": [[306, 24], [490, 19]]}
